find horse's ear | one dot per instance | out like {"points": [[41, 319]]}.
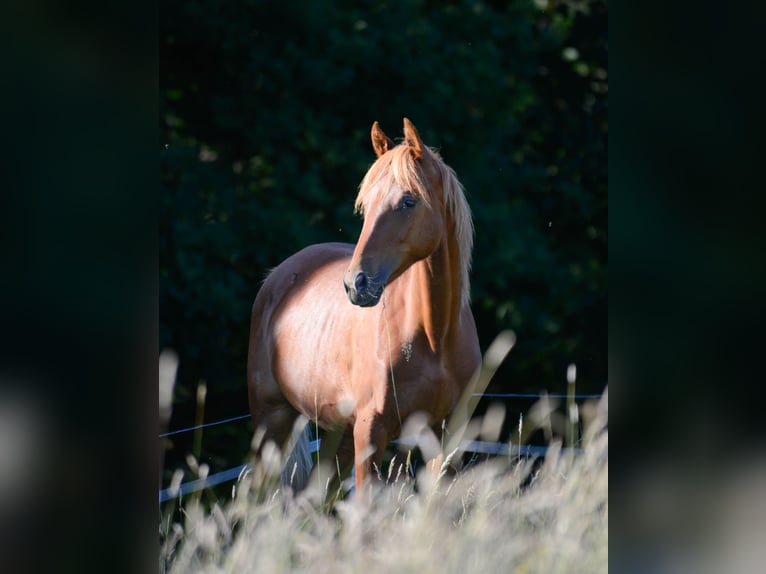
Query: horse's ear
{"points": [[381, 143], [412, 139]]}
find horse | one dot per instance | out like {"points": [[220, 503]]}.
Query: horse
{"points": [[359, 337]]}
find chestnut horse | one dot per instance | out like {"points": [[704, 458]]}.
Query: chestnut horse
{"points": [[396, 338]]}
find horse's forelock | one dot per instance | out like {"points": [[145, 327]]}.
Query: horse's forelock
{"points": [[397, 166]]}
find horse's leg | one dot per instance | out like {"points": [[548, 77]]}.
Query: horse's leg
{"points": [[345, 455], [370, 440], [336, 455], [273, 424], [434, 464]]}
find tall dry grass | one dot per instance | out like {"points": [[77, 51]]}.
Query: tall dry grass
{"points": [[503, 515]]}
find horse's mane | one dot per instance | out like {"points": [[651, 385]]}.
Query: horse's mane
{"points": [[401, 167]]}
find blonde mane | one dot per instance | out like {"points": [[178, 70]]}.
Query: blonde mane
{"points": [[399, 166]]}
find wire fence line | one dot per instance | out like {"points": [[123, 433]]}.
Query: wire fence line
{"points": [[477, 446], [489, 395], [536, 395], [187, 429]]}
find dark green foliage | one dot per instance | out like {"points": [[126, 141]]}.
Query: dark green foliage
{"points": [[266, 109]]}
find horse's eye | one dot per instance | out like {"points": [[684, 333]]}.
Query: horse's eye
{"points": [[407, 202]]}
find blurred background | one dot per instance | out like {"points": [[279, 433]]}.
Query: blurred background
{"points": [[496, 88], [265, 115]]}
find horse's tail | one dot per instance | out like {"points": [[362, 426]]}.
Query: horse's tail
{"points": [[295, 473]]}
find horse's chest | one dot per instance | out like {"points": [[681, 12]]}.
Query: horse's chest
{"points": [[422, 384]]}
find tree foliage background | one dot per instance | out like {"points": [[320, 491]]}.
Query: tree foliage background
{"points": [[265, 113]]}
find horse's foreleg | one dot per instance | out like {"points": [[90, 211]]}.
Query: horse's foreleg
{"points": [[370, 439], [336, 455], [434, 464]]}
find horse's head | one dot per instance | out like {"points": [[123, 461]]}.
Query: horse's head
{"points": [[404, 222]]}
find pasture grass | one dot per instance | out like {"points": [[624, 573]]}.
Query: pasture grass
{"points": [[508, 514]]}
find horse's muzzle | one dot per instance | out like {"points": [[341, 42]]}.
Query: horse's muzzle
{"points": [[364, 292]]}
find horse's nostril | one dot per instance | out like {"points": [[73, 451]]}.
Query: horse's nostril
{"points": [[360, 282]]}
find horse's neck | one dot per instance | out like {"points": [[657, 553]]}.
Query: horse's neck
{"points": [[436, 293]]}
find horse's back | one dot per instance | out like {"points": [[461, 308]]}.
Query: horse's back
{"points": [[299, 267]]}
